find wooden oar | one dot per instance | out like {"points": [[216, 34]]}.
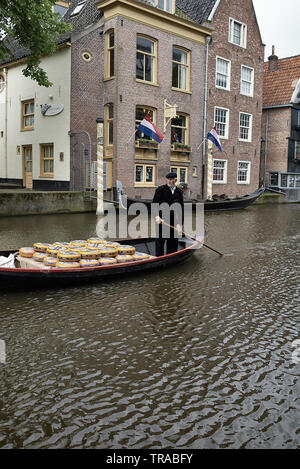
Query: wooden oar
{"points": [[194, 239]]}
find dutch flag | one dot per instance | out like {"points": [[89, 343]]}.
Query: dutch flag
{"points": [[214, 138], [149, 129]]}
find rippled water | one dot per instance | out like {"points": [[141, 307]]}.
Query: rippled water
{"points": [[197, 356]]}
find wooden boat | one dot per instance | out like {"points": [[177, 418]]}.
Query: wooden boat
{"points": [[219, 203], [46, 276]]}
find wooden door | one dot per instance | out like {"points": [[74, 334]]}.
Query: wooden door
{"points": [[27, 167]]}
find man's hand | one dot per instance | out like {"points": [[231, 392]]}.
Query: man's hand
{"points": [[159, 220], [179, 229]]}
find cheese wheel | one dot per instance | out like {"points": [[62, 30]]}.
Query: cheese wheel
{"points": [[107, 260], [96, 241], [52, 251], [89, 262], [124, 249], [67, 265], [41, 247], [124, 258], [50, 261], [89, 253], [78, 243], [140, 256], [39, 256], [26, 252], [108, 252], [68, 256]]}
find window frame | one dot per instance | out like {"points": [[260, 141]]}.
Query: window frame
{"points": [[251, 83], [243, 42], [44, 173], [247, 182], [108, 54], [109, 120], [154, 60], [226, 136], [30, 114], [177, 169], [137, 122], [186, 128], [249, 140], [155, 4], [187, 68], [144, 183], [297, 143], [224, 180], [227, 88]]}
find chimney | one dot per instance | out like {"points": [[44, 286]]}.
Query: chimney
{"points": [[273, 61]]}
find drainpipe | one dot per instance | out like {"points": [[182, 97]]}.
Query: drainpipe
{"points": [[207, 41], [266, 147], [5, 126]]}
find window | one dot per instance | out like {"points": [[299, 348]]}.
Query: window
{"points": [[47, 159], [181, 69], [247, 75], [61, 7], [109, 124], [28, 115], [220, 171], [180, 129], [237, 33], [145, 59], [243, 175], [140, 113], [166, 5], [78, 8], [297, 149], [144, 175], [222, 121], [223, 73], [245, 133], [182, 174], [110, 54]]}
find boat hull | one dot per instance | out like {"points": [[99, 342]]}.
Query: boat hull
{"points": [[212, 206], [24, 278]]}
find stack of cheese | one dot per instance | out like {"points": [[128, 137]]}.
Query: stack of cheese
{"points": [[82, 253]]}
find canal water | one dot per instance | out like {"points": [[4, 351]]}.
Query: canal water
{"points": [[202, 355]]}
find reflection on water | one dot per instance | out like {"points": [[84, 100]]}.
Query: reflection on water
{"points": [[196, 356]]}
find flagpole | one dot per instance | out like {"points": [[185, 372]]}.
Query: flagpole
{"points": [[131, 136], [200, 145]]}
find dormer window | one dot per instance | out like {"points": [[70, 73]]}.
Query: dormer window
{"points": [[78, 8], [61, 7], [166, 5]]}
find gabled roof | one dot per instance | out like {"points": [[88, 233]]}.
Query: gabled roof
{"points": [[194, 10], [197, 10], [280, 85], [87, 16]]}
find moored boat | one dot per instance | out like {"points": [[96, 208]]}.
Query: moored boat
{"points": [[42, 275], [218, 203]]}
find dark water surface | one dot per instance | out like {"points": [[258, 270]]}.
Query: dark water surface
{"points": [[197, 356]]}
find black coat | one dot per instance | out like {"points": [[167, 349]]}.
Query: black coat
{"points": [[163, 194]]}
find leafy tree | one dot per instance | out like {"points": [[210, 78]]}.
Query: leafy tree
{"points": [[33, 24]]}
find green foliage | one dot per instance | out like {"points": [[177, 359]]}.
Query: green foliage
{"points": [[33, 24]]}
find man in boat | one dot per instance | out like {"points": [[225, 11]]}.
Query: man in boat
{"points": [[168, 194]]}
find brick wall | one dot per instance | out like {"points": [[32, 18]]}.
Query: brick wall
{"points": [[252, 56], [279, 129], [133, 93]]}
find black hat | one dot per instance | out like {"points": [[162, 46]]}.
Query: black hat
{"points": [[171, 175]]}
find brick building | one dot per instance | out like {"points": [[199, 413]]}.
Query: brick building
{"points": [[126, 58], [234, 103], [280, 166]]}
